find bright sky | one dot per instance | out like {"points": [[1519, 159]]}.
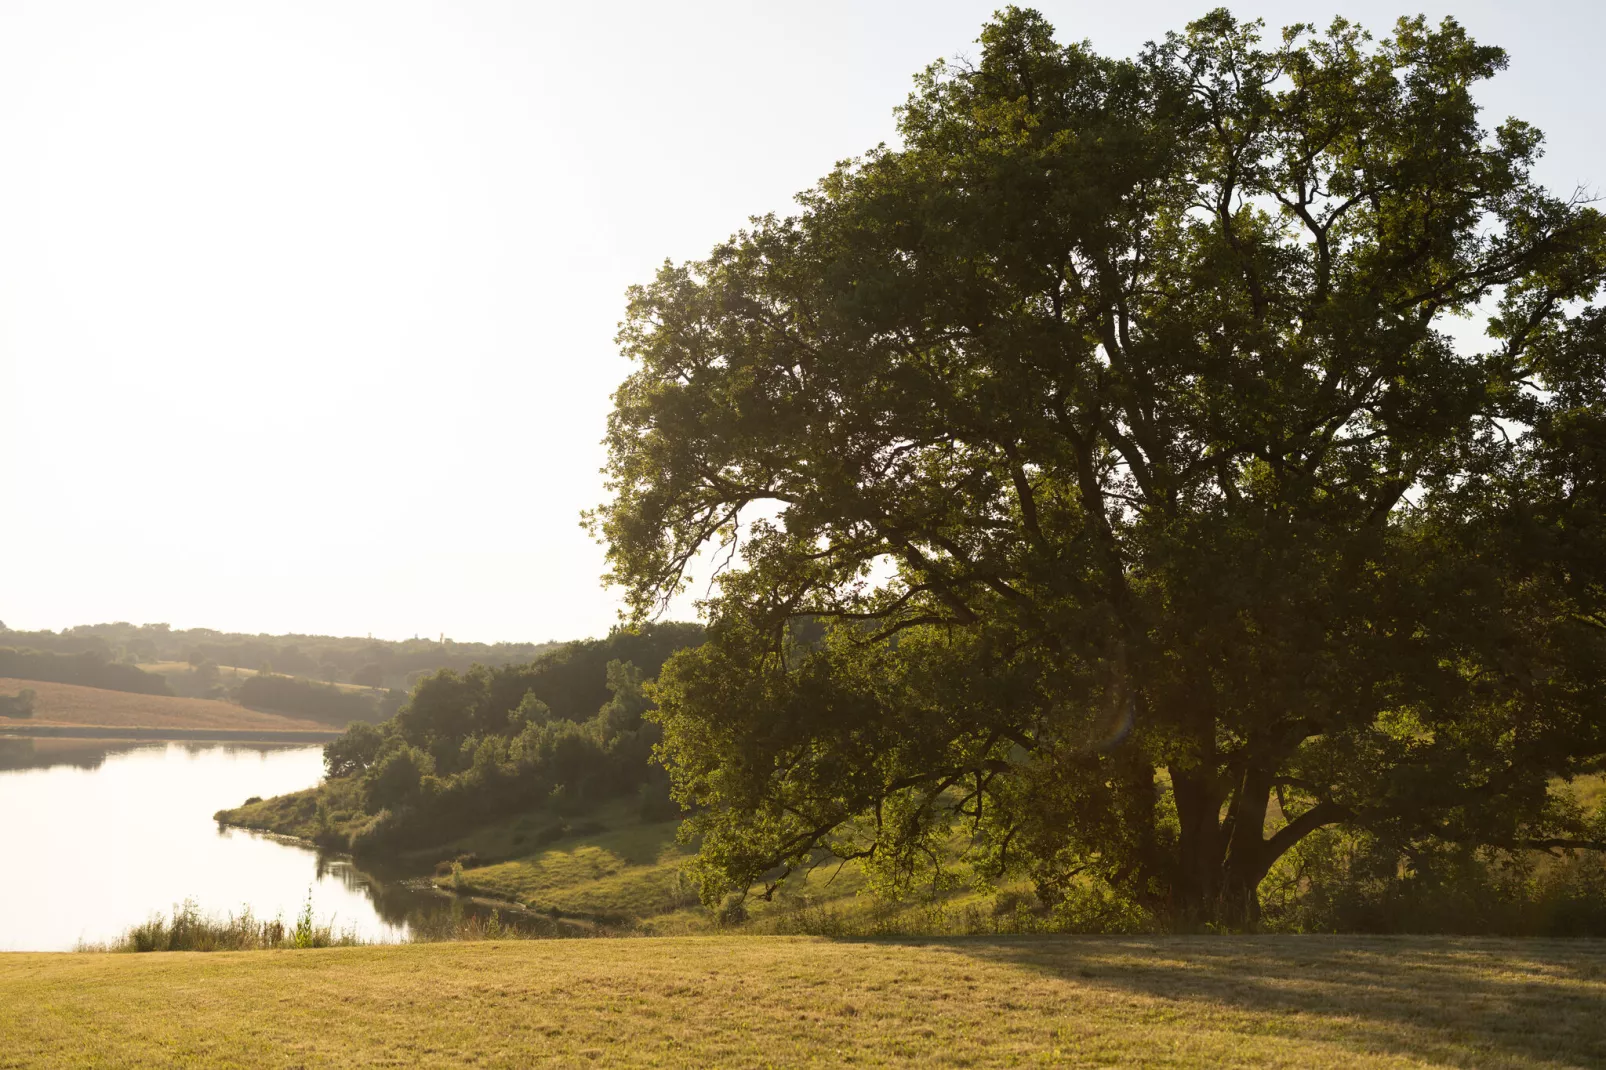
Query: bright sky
{"points": [[306, 308]]}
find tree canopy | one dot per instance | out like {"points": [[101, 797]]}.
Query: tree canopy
{"points": [[1114, 473], [563, 731]]}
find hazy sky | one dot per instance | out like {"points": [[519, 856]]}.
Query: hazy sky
{"points": [[306, 309]]}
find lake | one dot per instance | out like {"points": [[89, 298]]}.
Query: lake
{"points": [[98, 836]]}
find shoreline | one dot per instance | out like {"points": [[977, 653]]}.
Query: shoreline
{"points": [[168, 735], [422, 883], [402, 876]]}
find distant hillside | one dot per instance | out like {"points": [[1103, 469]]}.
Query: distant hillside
{"points": [[86, 668], [321, 702], [372, 663], [310, 678], [562, 733], [70, 704]]}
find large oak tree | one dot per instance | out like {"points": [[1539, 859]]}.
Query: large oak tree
{"points": [[1148, 463]]}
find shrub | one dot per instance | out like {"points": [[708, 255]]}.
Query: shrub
{"points": [[19, 706], [654, 803], [354, 751], [394, 780], [1345, 882]]}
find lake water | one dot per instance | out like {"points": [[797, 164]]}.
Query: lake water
{"points": [[96, 837]]}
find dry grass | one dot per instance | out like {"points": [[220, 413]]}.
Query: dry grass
{"points": [[70, 704], [162, 668], [1309, 1002], [230, 674]]}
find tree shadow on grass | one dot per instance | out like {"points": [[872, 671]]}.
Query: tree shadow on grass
{"points": [[1467, 1002]]}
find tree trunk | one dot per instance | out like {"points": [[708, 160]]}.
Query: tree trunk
{"points": [[1222, 861], [1246, 859], [1201, 846]]}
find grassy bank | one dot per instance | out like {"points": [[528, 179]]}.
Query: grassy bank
{"points": [[619, 866], [607, 864], [611, 867], [1310, 1002]]}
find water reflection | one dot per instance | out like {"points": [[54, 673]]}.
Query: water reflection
{"points": [[21, 752], [410, 903], [102, 834]]}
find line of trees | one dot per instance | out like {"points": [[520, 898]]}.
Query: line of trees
{"points": [[86, 668], [306, 698], [565, 731], [369, 662]]}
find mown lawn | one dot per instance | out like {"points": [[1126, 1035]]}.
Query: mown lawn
{"points": [[1309, 1002]]}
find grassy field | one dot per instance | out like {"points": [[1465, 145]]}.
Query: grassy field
{"points": [[1310, 1002], [230, 674], [70, 704]]}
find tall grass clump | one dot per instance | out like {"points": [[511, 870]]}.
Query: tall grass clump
{"points": [[187, 929]]}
